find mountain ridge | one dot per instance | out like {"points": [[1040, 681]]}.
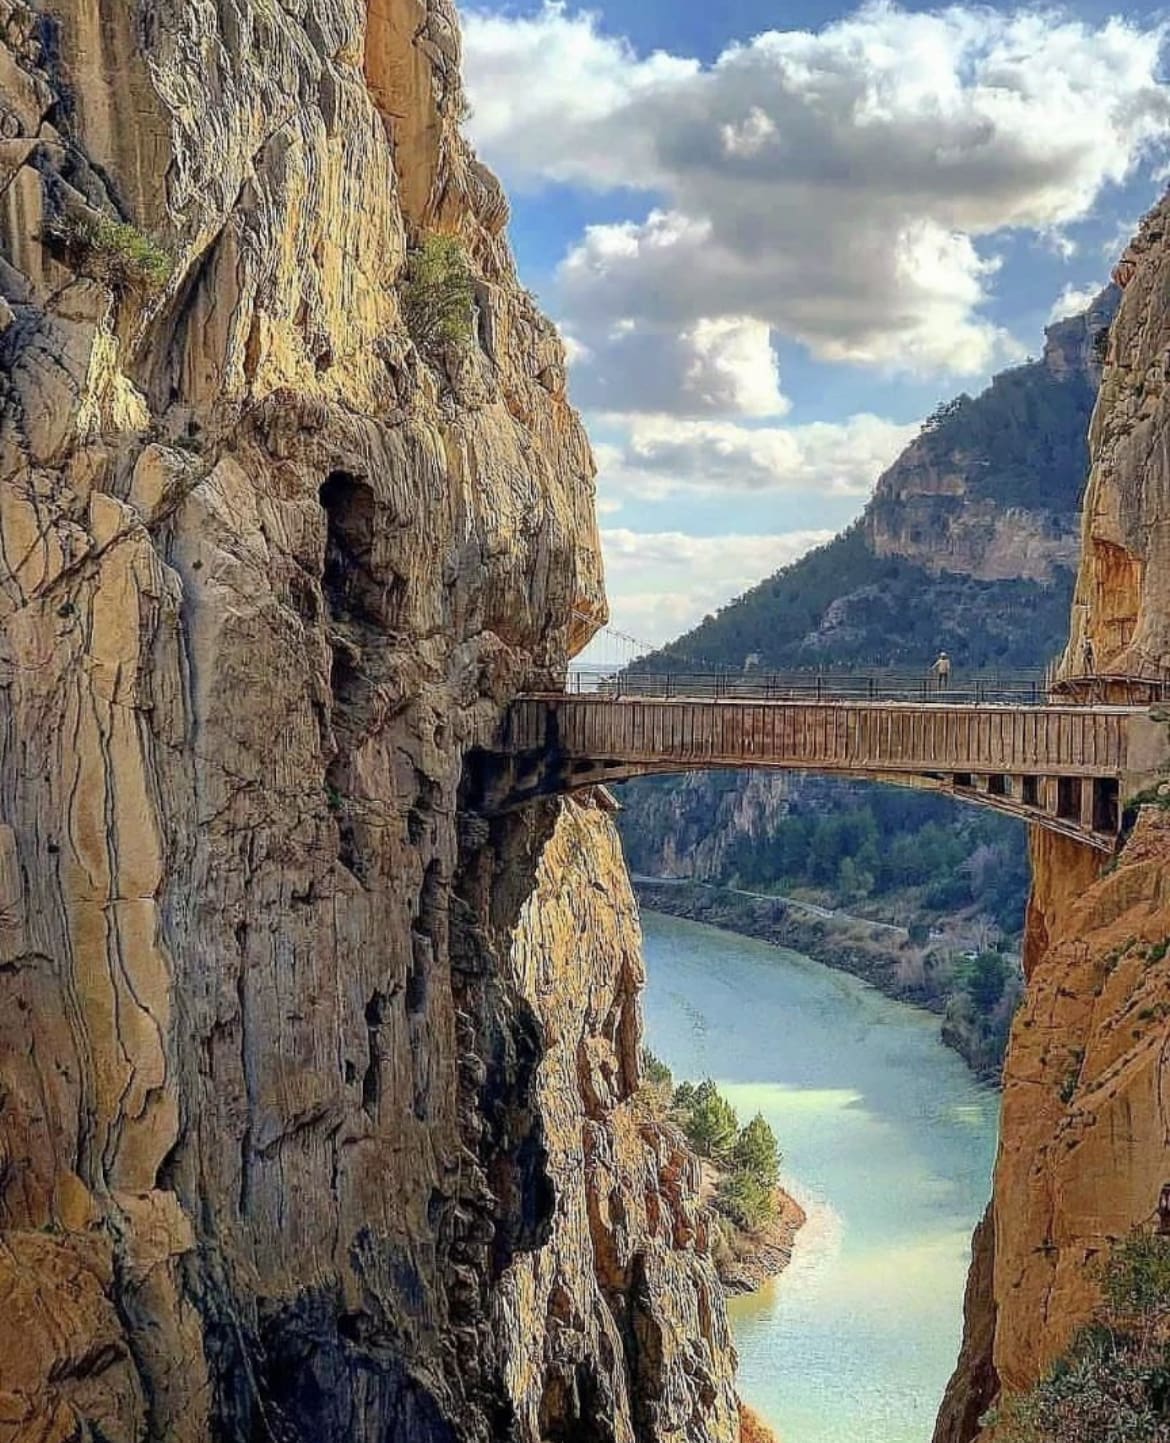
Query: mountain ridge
{"points": [[976, 523]]}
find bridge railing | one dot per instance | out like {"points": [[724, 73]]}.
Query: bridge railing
{"points": [[1020, 688]]}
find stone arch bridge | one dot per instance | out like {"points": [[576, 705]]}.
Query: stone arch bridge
{"points": [[1067, 766]]}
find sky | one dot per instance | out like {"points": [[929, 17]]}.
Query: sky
{"points": [[776, 236]]}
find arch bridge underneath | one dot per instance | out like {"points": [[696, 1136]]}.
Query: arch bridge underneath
{"points": [[1068, 768]]}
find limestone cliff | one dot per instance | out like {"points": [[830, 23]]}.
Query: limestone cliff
{"points": [[1085, 1146], [990, 488], [615, 1329], [1122, 603], [281, 1148]]}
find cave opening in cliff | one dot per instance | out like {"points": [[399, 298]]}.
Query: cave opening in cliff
{"points": [[352, 592]]}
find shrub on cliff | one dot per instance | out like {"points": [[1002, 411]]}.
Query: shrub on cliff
{"points": [[110, 251], [657, 1083], [1113, 1383], [655, 1071], [437, 297]]}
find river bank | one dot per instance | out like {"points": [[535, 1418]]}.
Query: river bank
{"points": [[876, 952], [748, 1260]]}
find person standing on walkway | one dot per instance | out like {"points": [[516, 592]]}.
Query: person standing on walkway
{"points": [[941, 671]]}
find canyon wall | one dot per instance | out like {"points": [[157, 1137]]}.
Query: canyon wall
{"points": [[303, 1134], [1085, 1145]]}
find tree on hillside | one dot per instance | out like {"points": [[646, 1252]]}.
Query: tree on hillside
{"points": [[986, 979], [745, 1199], [708, 1119]]}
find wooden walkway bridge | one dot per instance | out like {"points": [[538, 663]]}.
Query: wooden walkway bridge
{"points": [[1069, 768]]}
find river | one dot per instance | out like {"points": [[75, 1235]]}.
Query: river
{"points": [[888, 1144]]}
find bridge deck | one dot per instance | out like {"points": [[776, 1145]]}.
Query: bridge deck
{"points": [[853, 736], [1067, 767]]}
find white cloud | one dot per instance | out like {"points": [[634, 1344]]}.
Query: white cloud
{"points": [[751, 136], [838, 188], [1072, 300], [662, 583], [661, 456], [546, 89]]}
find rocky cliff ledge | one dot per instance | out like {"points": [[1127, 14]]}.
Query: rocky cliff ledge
{"points": [[292, 1110], [1085, 1149]]}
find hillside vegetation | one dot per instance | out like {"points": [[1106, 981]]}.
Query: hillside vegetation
{"points": [[844, 605]]}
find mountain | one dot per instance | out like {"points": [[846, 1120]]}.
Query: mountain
{"points": [[969, 541]]}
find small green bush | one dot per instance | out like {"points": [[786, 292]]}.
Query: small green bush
{"points": [[1137, 1280], [110, 251], [654, 1071], [437, 296], [985, 979], [1113, 1383], [657, 1085]]}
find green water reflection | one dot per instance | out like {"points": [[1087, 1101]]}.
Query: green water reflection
{"points": [[888, 1144]]}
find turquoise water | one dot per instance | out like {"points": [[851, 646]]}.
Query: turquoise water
{"points": [[888, 1144]]}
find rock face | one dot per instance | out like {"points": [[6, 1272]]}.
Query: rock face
{"points": [[275, 1139], [1122, 604], [1085, 1148], [686, 826], [616, 1329], [991, 487]]}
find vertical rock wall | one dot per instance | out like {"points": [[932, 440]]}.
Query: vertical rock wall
{"points": [[616, 1330], [1085, 1144], [275, 1139], [1122, 602]]}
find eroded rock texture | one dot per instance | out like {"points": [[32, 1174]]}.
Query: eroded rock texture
{"points": [[1085, 1145], [274, 1141], [992, 491], [1122, 604], [617, 1327]]}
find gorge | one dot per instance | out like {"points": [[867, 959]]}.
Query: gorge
{"points": [[319, 1111], [889, 1142]]}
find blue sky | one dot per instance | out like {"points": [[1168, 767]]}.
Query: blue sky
{"points": [[776, 236]]}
